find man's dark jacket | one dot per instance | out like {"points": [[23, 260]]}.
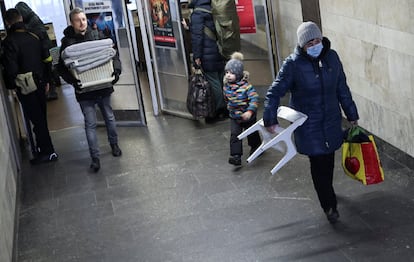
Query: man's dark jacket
{"points": [[24, 52]]}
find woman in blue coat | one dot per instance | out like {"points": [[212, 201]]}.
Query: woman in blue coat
{"points": [[206, 53], [314, 76]]}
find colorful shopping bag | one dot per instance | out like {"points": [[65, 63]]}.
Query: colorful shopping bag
{"points": [[360, 158]]}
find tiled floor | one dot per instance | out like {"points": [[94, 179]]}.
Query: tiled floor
{"points": [[173, 197]]}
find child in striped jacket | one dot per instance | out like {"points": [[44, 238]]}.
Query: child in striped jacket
{"points": [[242, 102]]}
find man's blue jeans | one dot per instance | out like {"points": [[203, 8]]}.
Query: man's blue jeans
{"points": [[89, 113]]}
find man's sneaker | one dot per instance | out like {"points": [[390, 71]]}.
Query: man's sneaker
{"points": [[235, 160], [116, 151], [42, 158], [332, 215], [95, 164]]}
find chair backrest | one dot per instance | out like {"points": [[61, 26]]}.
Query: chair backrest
{"points": [[291, 115]]}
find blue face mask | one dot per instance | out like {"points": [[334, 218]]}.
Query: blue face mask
{"points": [[314, 51]]}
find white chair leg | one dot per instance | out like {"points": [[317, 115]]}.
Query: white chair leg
{"points": [[255, 127], [255, 154], [282, 136], [290, 153], [273, 140]]}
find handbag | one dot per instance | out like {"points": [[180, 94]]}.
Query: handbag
{"points": [[200, 96], [360, 159], [26, 83]]}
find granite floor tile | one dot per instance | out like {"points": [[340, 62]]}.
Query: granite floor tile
{"points": [[172, 196]]}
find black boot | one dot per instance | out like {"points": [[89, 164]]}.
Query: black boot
{"points": [[95, 164], [116, 151], [332, 215], [235, 160]]}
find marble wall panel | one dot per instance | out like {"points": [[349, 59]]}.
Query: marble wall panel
{"points": [[376, 66], [366, 11], [290, 17], [8, 190], [395, 14], [374, 39]]}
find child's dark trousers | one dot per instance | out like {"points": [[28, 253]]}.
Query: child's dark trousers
{"points": [[236, 128]]}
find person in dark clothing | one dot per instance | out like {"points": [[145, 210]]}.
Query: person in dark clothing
{"points": [[206, 53], [32, 21], [316, 80], [34, 24], [79, 32], [24, 52]]}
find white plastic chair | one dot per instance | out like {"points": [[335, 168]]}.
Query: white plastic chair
{"points": [[270, 140]]}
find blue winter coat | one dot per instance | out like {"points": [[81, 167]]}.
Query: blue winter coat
{"points": [[203, 46], [318, 89]]}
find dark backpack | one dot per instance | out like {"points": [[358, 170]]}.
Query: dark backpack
{"points": [[200, 97], [227, 25]]}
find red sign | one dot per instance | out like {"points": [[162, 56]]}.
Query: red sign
{"points": [[245, 11]]}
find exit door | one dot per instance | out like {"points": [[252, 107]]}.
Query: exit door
{"points": [[167, 54], [256, 44], [170, 53]]}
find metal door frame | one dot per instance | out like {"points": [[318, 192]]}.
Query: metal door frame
{"points": [[274, 33], [148, 58], [155, 67]]}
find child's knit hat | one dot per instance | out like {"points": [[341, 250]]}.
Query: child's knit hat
{"points": [[308, 31], [235, 65]]}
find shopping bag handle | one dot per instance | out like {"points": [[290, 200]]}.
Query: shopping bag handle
{"points": [[357, 135]]}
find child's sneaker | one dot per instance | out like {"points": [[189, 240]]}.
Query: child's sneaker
{"points": [[235, 160]]}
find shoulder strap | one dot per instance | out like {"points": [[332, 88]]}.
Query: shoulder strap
{"points": [[25, 31], [207, 30], [48, 59], [210, 33], [202, 10]]}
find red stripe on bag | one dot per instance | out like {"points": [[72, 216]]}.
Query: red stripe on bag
{"points": [[371, 163]]}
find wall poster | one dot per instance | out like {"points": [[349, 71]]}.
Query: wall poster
{"points": [[162, 24], [100, 17]]}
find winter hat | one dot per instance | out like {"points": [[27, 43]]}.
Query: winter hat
{"points": [[308, 31], [235, 65]]}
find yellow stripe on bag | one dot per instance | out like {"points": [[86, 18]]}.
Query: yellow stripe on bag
{"points": [[354, 165], [352, 161]]}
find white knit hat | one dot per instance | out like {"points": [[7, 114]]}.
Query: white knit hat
{"points": [[308, 31]]}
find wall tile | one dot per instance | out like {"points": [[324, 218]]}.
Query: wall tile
{"points": [[374, 39]]}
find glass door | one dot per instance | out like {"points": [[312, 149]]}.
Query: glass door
{"points": [[163, 24], [256, 44], [170, 52]]}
